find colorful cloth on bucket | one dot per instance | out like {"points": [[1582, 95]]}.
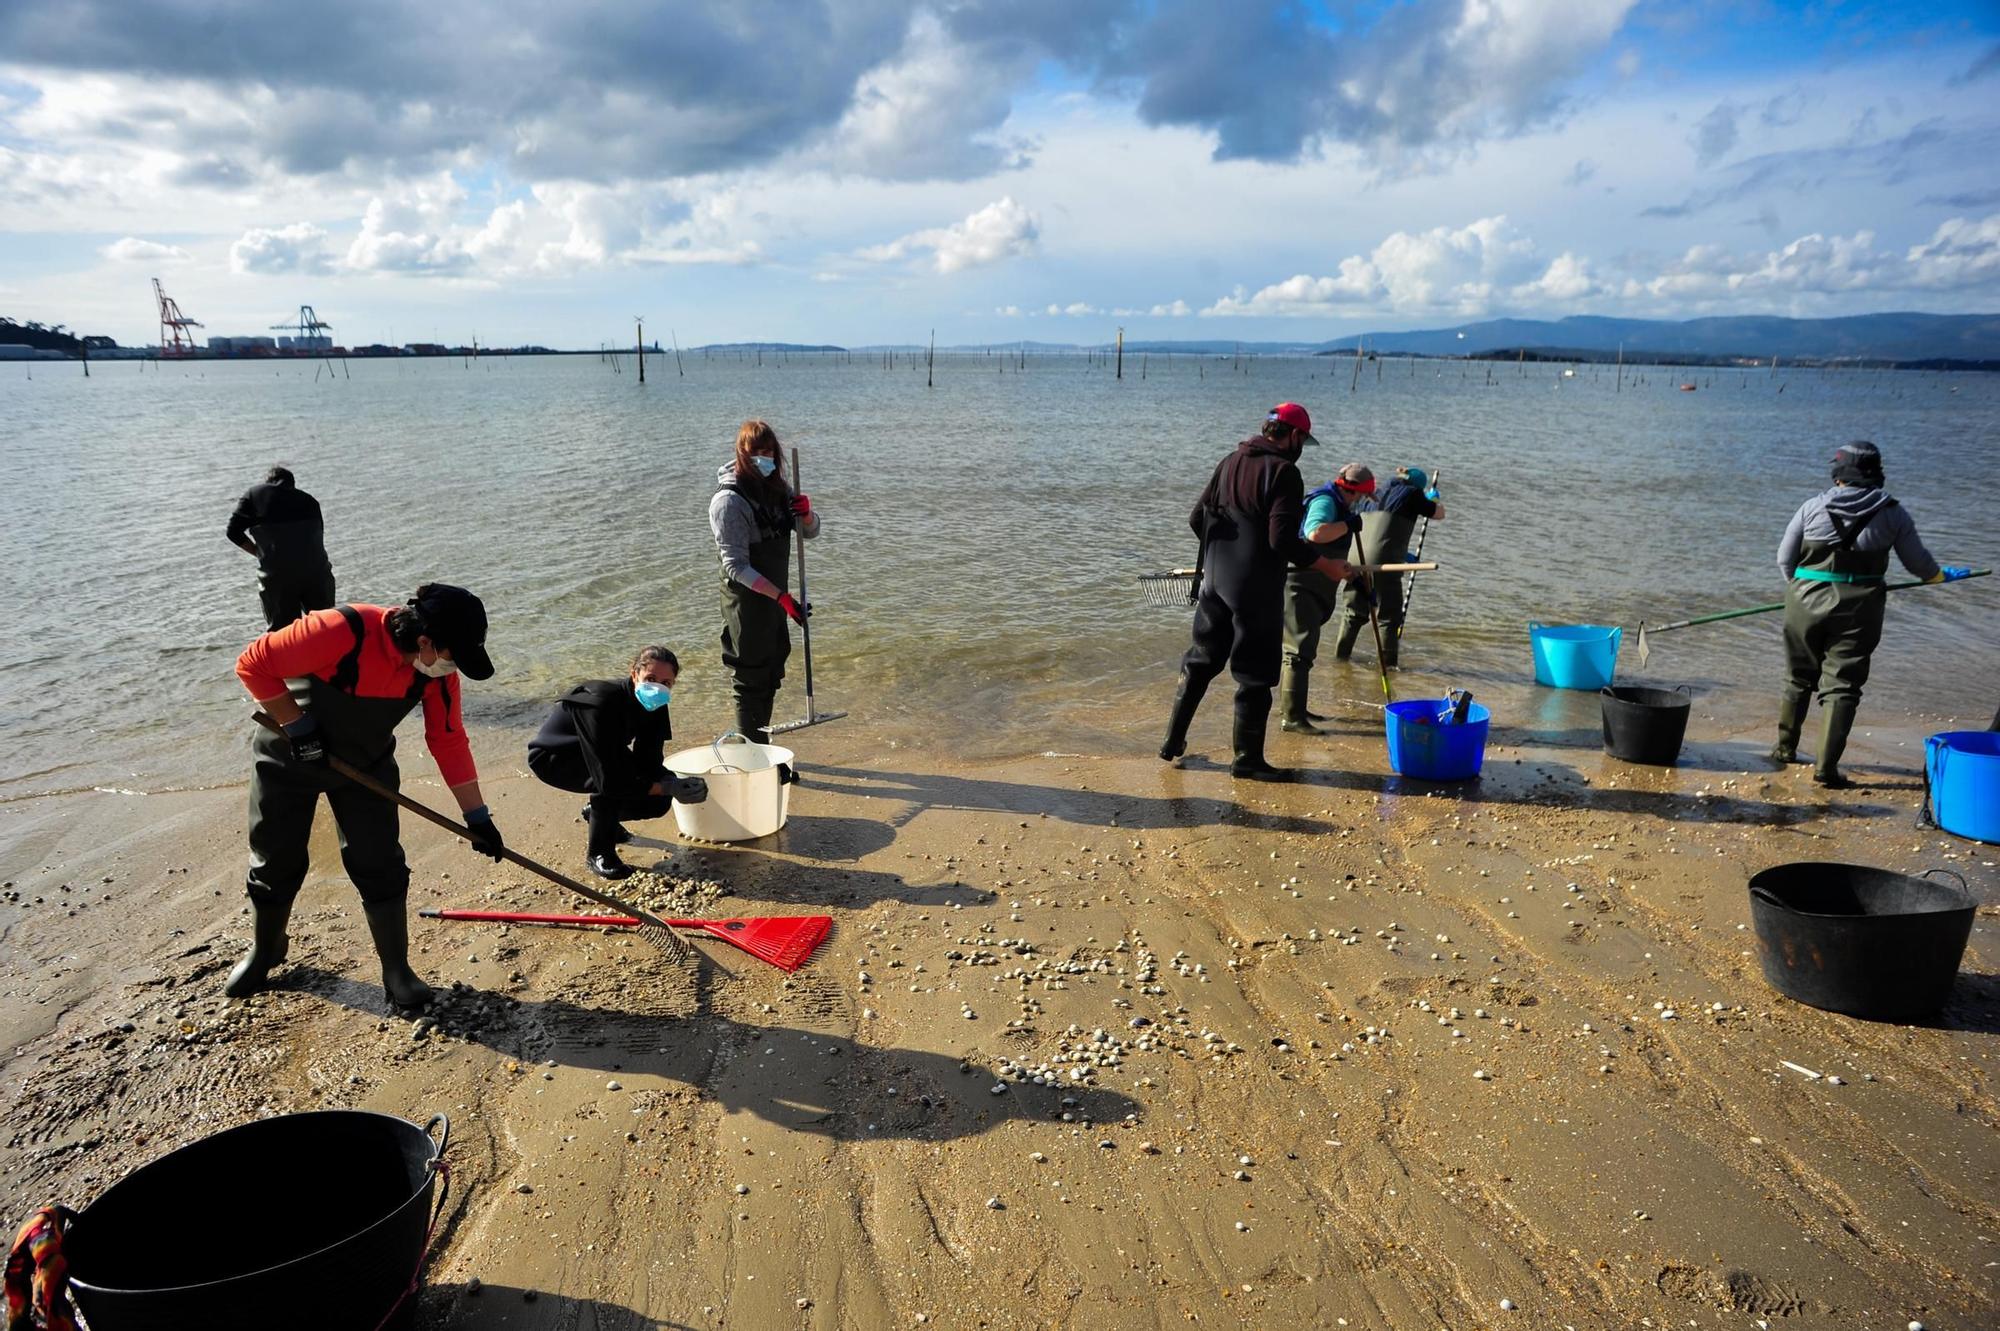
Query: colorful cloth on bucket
{"points": [[37, 1276]]}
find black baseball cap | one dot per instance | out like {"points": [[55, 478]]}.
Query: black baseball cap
{"points": [[455, 620]]}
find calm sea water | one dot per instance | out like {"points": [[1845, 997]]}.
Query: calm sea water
{"points": [[975, 584]]}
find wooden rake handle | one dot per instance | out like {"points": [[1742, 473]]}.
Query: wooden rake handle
{"points": [[675, 944]]}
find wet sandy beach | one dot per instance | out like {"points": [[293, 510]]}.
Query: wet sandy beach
{"points": [[1349, 1053]]}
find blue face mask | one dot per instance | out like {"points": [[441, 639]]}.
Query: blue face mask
{"points": [[652, 696], [765, 466]]}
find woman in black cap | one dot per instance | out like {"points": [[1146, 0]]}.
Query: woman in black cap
{"points": [[1835, 553], [338, 681], [605, 739]]}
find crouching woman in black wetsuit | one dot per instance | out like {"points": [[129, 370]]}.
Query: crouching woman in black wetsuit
{"points": [[605, 739]]}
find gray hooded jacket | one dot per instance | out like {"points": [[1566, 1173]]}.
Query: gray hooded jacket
{"points": [[1893, 529], [734, 523]]}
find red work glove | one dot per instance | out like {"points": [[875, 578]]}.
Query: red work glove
{"points": [[792, 608], [802, 506]]}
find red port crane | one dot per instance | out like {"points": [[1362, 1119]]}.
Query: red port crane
{"points": [[175, 340]]}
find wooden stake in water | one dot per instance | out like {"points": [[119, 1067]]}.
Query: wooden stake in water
{"points": [[1121, 353], [1354, 386], [641, 324], [930, 377]]}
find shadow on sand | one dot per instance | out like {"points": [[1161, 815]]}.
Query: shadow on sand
{"points": [[813, 1081]]}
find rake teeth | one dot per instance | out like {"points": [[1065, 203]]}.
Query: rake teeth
{"points": [[671, 943]]}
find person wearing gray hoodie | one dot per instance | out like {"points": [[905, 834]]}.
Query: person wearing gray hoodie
{"points": [[753, 516], [1835, 556]]}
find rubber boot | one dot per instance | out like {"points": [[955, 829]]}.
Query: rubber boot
{"points": [[1292, 685], [601, 851], [389, 926], [1350, 632], [1837, 719], [1792, 706], [1253, 714], [268, 946], [1392, 647], [621, 834], [1186, 699], [753, 718]]}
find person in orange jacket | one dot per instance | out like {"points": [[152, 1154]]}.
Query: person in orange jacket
{"points": [[338, 681]]}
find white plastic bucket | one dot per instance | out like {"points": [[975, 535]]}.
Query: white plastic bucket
{"points": [[749, 789]]}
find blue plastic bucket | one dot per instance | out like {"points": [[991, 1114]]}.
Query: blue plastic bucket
{"points": [[1422, 748], [1575, 656], [1963, 767]]}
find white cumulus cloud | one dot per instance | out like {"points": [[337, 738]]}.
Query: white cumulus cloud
{"points": [[298, 248], [133, 249], [1454, 270], [1001, 230]]}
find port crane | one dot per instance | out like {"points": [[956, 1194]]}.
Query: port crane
{"points": [[308, 325], [175, 339]]}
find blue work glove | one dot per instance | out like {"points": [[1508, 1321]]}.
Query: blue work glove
{"points": [[1432, 494], [1953, 572], [486, 837], [307, 744], [687, 789]]}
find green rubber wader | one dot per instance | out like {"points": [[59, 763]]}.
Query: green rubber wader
{"points": [[284, 794], [1831, 628], [1310, 600], [1385, 539], [757, 637]]}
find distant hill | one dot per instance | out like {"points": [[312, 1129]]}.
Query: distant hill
{"points": [[1901, 337], [799, 347]]}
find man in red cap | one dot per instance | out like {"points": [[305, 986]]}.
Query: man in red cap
{"points": [[1248, 522], [338, 681]]}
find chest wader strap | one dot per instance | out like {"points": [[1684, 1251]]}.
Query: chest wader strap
{"points": [[1833, 575], [347, 675]]}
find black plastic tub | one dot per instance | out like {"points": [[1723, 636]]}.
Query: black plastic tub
{"points": [[1863, 941], [1644, 725], [311, 1222]]}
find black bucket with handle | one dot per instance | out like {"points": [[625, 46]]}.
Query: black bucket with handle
{"points": [[311, 1222], [1867, 942], [1644, 725]]}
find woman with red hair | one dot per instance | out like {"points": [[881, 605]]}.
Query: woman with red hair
{"points": [[753, 516]]}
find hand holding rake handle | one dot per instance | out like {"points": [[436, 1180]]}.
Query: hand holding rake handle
{"points": [[652, 926]]}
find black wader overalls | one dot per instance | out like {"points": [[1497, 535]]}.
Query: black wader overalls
{"points": [[1239, 621], [756, 633], [1833, 620], [293, 576], [284, 793]]}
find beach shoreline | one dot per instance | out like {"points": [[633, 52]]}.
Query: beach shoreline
{"points": [[1306, 978]]}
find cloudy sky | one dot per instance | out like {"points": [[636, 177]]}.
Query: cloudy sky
{"points": [[858, 171]]}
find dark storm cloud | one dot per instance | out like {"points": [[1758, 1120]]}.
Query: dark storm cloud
{"points": [[602, 90]]}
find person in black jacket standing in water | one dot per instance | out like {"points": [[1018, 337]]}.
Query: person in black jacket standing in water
{"points": [[1248, 523], [280, 524], [605, 739]]}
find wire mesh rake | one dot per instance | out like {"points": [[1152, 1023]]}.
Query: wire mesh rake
{"points": [[1175, 589]]}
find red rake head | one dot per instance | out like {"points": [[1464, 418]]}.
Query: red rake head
{"points": [[784, 941]]}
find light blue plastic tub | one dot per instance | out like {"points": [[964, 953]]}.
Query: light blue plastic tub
{"points": [[1420, 747], [1963, 767], [1575, 656]]}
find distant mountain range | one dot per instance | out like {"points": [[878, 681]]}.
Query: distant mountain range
{"points": [[1882, 337]]}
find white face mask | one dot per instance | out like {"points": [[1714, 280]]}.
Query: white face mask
{"points": [[437, 669]]}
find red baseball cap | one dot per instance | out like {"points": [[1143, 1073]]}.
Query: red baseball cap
{"points": [[1294, 415]]}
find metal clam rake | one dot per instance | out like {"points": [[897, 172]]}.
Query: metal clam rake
{"points": [[1646, 647], [813, 716], [1174, 589]]}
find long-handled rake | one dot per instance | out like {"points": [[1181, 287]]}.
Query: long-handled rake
{"points": [[1177, 588], [786, 941], [813, 716], [651, 926], [1645, 648], [1410, 587]]}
